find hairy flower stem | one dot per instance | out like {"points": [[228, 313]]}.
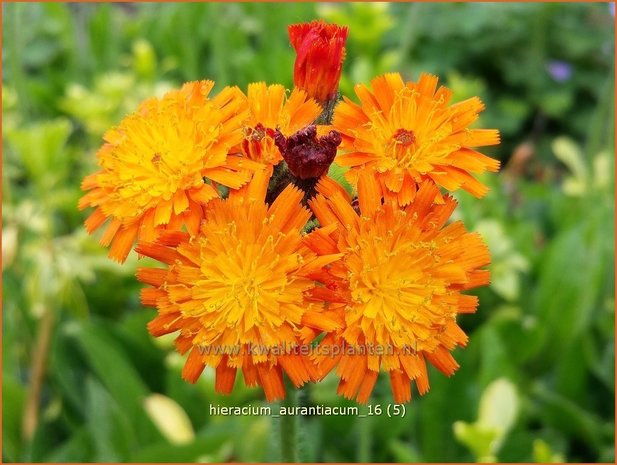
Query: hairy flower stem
{"points": [[364, 439], [282, 177], [289, 429], [328, 112]]}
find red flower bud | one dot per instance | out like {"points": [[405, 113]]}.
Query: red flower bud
{"points": [[307, 155], [320, 50]]}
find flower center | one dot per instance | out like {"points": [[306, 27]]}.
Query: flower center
{"points": [[255, 134], [402, 149], [258, 144], [246, 293], [247, 287], [404, 137], [391, 283]]}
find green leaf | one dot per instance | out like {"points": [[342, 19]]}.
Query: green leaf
{"points": [[214, 444], [260, 431], [495, 360], [108, 426], [65, 372], [448, 400], [568, 417], [77, 448], [570, 279], [13, 398], [571, 372], [118, 376], [337, 173], [40, 149], [403, 453]]}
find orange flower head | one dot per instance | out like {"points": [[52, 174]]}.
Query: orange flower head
{"points": [[270, 110], [153, 165], [320, 51], [239, 293], [406, 133], [401, 277]]}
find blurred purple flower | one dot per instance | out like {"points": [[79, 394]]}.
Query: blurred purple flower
{"points": [[611, 8], [560, 71]]}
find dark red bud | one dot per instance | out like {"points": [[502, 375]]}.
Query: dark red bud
{"points": [[307, 155]]}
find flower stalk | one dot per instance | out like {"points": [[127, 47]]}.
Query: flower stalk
{"points": [[289, 429]]}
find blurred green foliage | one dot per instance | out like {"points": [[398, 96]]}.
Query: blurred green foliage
{"points": [[536, 382]]}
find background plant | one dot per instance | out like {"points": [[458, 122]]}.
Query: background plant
{"points": [[541, 343]]}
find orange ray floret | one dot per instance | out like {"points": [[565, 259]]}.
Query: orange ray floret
{"points": [[239, 292], [271, 109], [405, 132], [401, 277], [153, 165]]}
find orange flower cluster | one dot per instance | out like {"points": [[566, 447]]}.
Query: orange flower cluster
{"points": [[269, 266]]}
